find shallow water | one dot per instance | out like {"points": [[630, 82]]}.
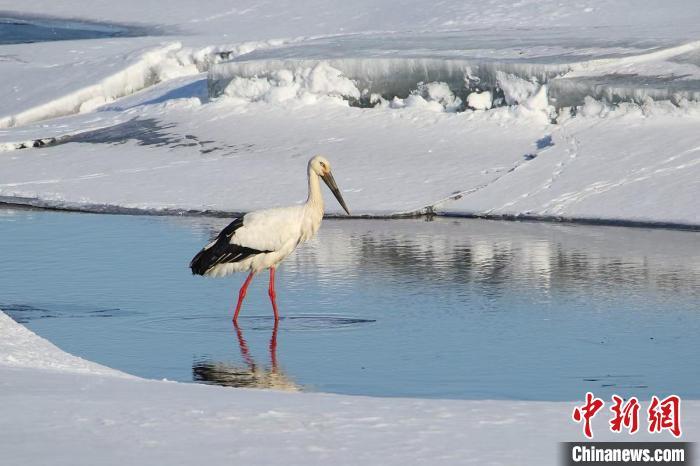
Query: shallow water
{"points": [[443, 308]]}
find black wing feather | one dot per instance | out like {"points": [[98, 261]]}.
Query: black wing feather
{"points": [[222, 251]]}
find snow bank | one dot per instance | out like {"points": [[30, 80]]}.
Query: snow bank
{"points": [[391, 77], [21, 348], [152, 67], [632, 77], [435, 97], [508, 83], [659, 73], [616, 89], [185, 156], [137, 69], [304, 84], [432, 85]]}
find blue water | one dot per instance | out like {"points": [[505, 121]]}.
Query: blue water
{"points": [[26, 29], [443, 308]]}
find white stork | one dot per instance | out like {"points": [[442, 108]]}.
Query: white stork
{"points": [[260, 240]]}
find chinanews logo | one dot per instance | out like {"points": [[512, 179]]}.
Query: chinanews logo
{"points": [[629, 416], [661, 415]]}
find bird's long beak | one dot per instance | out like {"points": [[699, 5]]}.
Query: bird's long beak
{"points": [[330, 182]]}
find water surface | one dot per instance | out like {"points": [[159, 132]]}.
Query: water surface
{"points": [[443, 308], [19, 29]]}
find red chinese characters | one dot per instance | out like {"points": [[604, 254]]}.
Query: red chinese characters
{"points": [[626, 415], [662, 414], [665, 415], [586, 413]]}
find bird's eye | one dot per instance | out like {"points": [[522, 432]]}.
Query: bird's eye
{"points": [[323, 164]]}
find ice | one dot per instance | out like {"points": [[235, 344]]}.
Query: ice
{"points": [[632, 74], [617, 88], [393, 77], [515, 89], [304, 84], [480, 100]]}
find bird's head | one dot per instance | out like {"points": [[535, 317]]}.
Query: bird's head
{"points": [[322, 167]]}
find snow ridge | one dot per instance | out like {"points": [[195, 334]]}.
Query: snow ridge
{"points": [[164, 63], [630, 78], [21, 348]]}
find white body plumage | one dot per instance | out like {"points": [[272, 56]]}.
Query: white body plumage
{"points": [[278, 230], [262, 239]]}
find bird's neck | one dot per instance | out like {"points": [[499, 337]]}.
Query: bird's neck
{"points": [[315, 199]]}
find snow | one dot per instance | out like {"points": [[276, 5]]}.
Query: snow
{"points": [[20, 348], [636, 163], [137, 73], [47, 80], [303, 84], [640, 165], [82, 413], [480, 100], [393, 63], [410, 107], [168, 176], [516, 90], [642, 19]]}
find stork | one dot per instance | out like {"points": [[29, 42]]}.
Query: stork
{"points": [[262, 239]]}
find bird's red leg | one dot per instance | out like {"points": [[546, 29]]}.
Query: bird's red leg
{"points": [[241, 295], [272, 293], [273, 348]]}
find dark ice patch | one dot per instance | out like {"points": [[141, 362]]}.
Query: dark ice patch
{"points": [[544, 142]]}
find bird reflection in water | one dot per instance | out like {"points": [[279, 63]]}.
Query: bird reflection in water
{"points": [[251, 375]]}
